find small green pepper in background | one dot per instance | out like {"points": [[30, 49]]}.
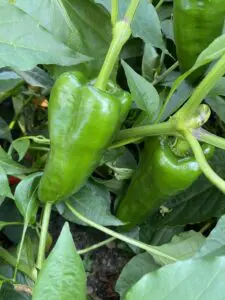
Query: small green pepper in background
{"points": [[160, 175], [196, 24], [82, 122]]}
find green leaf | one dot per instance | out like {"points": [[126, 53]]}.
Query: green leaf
{"points": [[158, 236], [219, 88], [167, 28], [26, 197], [62, 275], [145, 24], [215, 242], [177, 100], [4, 185], [10, 166], [5, 133], [217, 104], [21, 147], [143, 92], [150, 62], [93, 201], [8, 292], [37, 77], [29, 251], [191, 279], [70, 23], [137, 267], [9, 83], [183, 246], [25, 43]]}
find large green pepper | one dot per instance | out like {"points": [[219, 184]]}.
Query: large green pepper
{"points": [[82, 122], [160, 175], [196, 24]]}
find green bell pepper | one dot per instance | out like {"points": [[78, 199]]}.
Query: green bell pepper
{"points": [[82, 122]]}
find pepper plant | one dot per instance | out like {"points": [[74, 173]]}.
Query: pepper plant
{"points": [[112, 117]]}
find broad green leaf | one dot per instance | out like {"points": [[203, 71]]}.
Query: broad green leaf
{"points": [[200, 279], [10, 166], [177, 100], [213, 51], [219, 88], [137, 267], [5, 133], [25, 43], [70, 23], [4, 185], [158, 236], [143, 92], [217, 104], [89, 35], [62, 275], [215, 242], [182, 246], [145, 24], [150, 62], [123, 166], [29, 251], [37, 77], [26, 197], [9, 84], [21, 147], [93, 201], [167, 28], [8, 292]]}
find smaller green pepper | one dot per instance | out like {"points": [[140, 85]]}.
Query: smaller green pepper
{"points": [[160, 175], [196, 24]]}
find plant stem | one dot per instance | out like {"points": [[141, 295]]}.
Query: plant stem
{"points": [[209, 138], [151, 249], [45, 149], [119, 39], [159, 4], [200, 158], [11, 260], [96, 246], [167, 128], [203, 89], [131, 11], [44, 232], [20, 250], [114, 12], [163, 75], [121, 34]]}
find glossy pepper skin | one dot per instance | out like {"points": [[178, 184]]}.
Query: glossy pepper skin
{"points": [[160, 175], [196, 24], [82, 122]]}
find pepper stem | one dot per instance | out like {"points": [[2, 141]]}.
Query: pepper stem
{"points": [[114, 12], [200, 158], [44, 233], [203, 89], [180, 147], [131, 135], [121, 34]]}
